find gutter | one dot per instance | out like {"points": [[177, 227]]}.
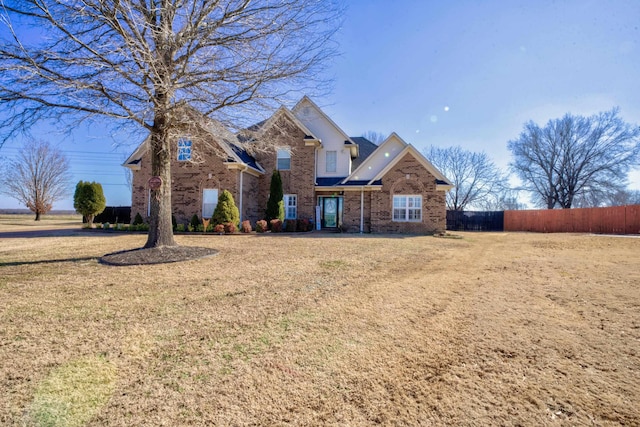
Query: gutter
{"points": [[246, 167], [362, 210]]}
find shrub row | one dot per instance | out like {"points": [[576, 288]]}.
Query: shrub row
{"points": [[123, 227], [275, 225], [290, 225]]}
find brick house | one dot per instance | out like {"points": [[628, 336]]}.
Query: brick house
{"points": [[335, 180]]}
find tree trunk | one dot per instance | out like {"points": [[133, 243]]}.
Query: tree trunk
{"points": [[160, 227], [37, 216]]}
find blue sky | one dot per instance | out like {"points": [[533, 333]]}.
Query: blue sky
{"points": [[464, 72]]}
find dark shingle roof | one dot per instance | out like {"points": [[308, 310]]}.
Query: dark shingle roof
{"points": [[357, 182], [328, 182], [365, 146], [245, 157]]}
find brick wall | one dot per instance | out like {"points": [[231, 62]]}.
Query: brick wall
{"points": [[300, 179], [408, 177], [190, 178], [188, 181], [351, 212]]}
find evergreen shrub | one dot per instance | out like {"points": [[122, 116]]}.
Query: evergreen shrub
{"points": [[226, 210]]}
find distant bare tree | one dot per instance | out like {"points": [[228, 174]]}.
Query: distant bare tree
{"points": [[474, 176], [38, 177], [617, 197], [503, 199], [575, 157], [152, 62], [375, 137]]}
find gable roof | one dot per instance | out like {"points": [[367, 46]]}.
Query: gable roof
{"points": [[133, 161], [348, 142], [381, 152], [378, 155], [365, 148], [442, 183], [264, 125], [235, 154]]}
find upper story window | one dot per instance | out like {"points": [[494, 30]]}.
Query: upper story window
{"points": [[332, 159], [283, 159], [407, 208], [184, 150]]}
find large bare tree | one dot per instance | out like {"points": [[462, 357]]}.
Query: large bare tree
{"points": [[575, 156], [153, 62], [37, 177], [474, 176]]}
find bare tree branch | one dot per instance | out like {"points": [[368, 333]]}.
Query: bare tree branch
{"points": [[148, 61], [575, 157], [474, 176], [375, 137]]}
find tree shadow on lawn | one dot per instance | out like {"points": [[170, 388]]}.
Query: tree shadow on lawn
{"points": [[65, 232], [46, 261]]}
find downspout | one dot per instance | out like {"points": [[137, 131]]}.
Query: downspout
{"points": [[315, 166], [241, 189], [315, 182], [362, 210]]}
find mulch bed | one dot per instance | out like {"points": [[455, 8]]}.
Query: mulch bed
{"points": [[161, 255]]}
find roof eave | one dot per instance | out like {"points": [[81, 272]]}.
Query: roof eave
{"points": [[243, 167]]}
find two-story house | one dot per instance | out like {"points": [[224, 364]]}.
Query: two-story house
{"points": [[335, 180]]}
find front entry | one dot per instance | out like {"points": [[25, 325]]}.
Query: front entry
{"points": [[331, 211]]}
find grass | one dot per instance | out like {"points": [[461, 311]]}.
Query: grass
{"points": [[72, 394], [487, 329]]}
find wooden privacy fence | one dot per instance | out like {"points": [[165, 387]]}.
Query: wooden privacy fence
{"points": [[613, 220]]}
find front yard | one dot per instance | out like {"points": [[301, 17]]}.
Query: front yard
{"points": [[490, 329]]}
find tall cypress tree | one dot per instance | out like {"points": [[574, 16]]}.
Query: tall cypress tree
{"points": [[275, 204]]}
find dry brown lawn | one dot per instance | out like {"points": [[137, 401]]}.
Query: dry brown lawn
{"points": [[489, 329]]}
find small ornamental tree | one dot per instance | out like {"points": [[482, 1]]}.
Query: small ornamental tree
{"points": [[226, 210], [194, 223], [138, 219], [89, 200], [275, 204]]}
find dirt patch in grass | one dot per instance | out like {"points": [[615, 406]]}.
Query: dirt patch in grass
{"points": [[488, 329]]}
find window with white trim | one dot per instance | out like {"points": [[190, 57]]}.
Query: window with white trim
{"points": [[290, 206], [283, 161], [184, 150], [407, 208], [332, 159], [209, 201]]}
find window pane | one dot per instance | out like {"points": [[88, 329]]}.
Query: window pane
{"points": [[407, 208], [290, 203], [184, 150], [209, 202], [283, 159], [398, 214], [399, 201], [284, 164], [331, 161]]}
